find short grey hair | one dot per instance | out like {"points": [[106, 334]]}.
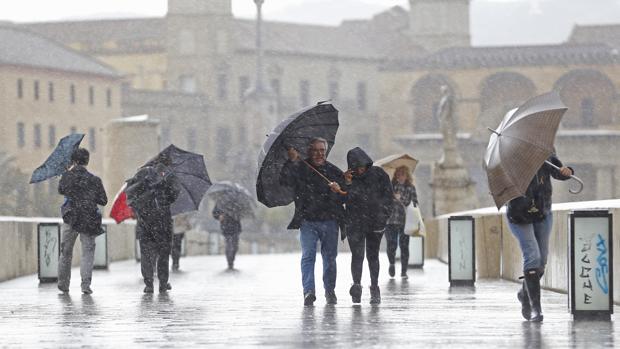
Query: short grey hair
{"points": [[317, 140]]}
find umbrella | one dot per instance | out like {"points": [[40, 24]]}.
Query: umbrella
{"points": [[521, 144], [295, 131], [191, 174], [120, 210], [57, 163], [232, 198], [392, 162]]}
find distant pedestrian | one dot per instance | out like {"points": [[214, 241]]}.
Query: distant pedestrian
{"points": [[230, 225], [83, 191], [404, 194], [530, 221], [318, 212], [368, 207], [150, 193], [181, 225]]}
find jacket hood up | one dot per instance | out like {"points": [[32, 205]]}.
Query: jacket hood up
{"points": [[356, 157]]}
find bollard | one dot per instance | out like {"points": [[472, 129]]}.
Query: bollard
{"points": [[590, 257], [461, 251], [416, 251], [48, 251], [184, 246], [101, 249], [137, 246]]}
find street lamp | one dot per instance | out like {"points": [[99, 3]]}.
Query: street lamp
{"points": [[259, 46]]}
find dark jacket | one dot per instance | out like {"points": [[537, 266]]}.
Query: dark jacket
{"points": [[369, 196], [314, 200], [83, 192], [150, 193], [536, 203], [408, 195], [229, 224]]}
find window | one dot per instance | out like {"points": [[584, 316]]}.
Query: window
{"points": [[244, 85], [37, 135], [92, 139], [73, 130], [587, 112], [108, 97], [50, 91], [21, 135], [223, 143], [51, 136], [72, 93], [20, 88], [91, 95], [36, 90], [304, 92], [187, 83], [334, 90], [222, 86], [191, 139], [361, 96]]}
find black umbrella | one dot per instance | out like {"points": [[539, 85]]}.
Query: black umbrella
{"points": [[296, 131], [233, 199], [57, 163], [191, 174]]}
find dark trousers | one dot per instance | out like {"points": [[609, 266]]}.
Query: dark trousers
{"points": [[394, 236], [370, 242], [232, 246], [177, 242], [152, 253]]}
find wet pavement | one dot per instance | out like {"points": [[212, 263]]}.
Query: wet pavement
{"points": [[261, 305]]}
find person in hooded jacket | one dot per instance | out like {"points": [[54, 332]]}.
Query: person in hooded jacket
{"points": [[150, 193], [369, 203], [83, 191], [530, 221]]}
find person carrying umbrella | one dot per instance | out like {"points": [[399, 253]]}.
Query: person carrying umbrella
{"points": [[83, 191], [150, 193], [369, 202], [318, 211], [230, 225]]}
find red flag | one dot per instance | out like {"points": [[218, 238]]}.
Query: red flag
{"points": [[120, 211]]}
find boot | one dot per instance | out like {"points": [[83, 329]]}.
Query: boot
{"points": [[330, 297], [356, 293], [149, 286], [309, 298], [375, 295], [403, 271], [532, 285], [526, 310], [392, 270], [164, 287]]}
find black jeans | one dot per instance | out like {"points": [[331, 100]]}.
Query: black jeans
{"points": [[395, 235], [370, 242], [177, 242], [152, 252], [232, 246]]}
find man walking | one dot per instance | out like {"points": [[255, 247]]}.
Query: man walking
{"points": [[318, 211], [83, 191], [230, 226]]}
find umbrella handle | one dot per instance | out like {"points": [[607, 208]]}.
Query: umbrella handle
{"points": [[572, 177], [339, 191]]}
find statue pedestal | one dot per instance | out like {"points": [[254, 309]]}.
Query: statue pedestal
{"points": [[453, 189]]}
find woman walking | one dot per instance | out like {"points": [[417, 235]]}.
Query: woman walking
{"points": [[404, 194], [530, 220]]}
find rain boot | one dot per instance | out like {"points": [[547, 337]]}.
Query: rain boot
{"points": [[532, 285], [526, 310], [392, 270], [356, 293], [375, 295]]}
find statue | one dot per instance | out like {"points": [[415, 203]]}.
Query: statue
{"points": [[449, 127]]}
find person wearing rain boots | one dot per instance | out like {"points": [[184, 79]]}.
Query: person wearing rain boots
{"points": [[530, 221], [368, 205]]}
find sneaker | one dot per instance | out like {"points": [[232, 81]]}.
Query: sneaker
{"points": [[165, 288], [309, 298], [86, 290], [356, 293], [404, 275], [375, 295], [330, 297], [148, 289], [392, 270]]}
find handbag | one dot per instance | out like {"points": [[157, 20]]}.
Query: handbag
{"points": [[414, 224]]}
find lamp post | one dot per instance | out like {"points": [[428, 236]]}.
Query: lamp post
{"points": [[259, 46]]}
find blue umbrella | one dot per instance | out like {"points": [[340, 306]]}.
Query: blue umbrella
{"points": [[57, 163]]}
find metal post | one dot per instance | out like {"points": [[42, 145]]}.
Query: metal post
{"points": [[101, 249], [416, 251]]}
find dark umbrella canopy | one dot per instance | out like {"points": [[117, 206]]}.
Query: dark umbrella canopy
{"points": [[296, 131], [191, 174], [233, 199], [57, 163]]}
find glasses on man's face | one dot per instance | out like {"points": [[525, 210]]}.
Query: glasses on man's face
{"points": [[318, 150]]}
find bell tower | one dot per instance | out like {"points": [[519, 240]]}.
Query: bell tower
{"points": [[438, 24]]}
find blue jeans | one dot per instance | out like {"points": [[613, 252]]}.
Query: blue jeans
{"points": [[534, 241], [310, 233]]}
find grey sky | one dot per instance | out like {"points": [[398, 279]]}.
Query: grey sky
{"points": [[493, 22]]}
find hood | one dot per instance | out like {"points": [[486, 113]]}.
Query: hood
{"points": [[356, 157]]}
